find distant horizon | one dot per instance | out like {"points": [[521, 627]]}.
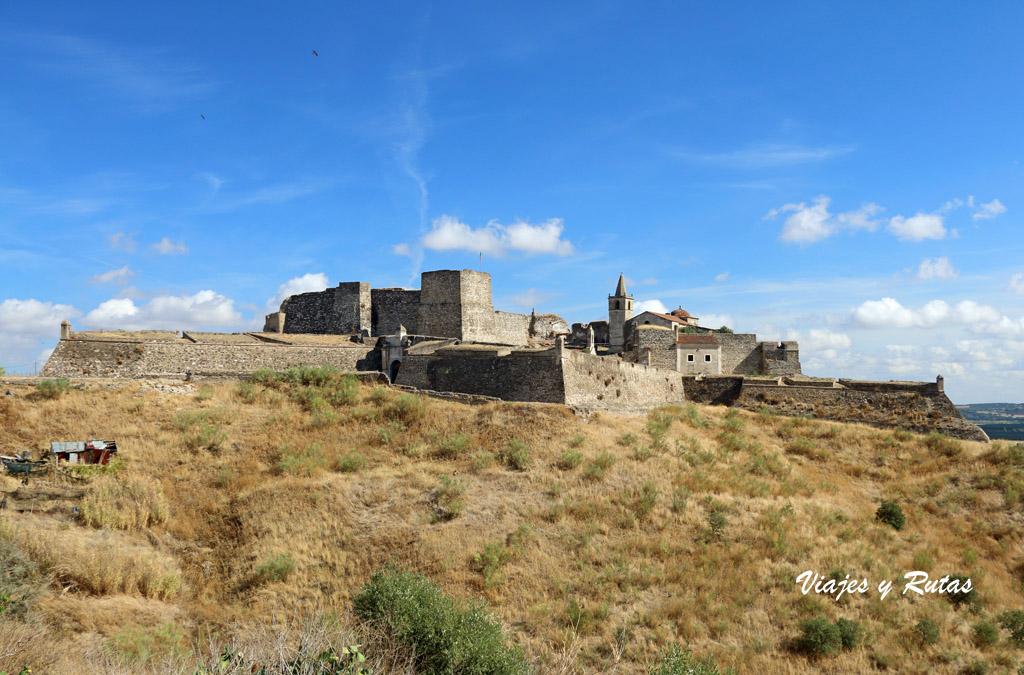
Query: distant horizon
{"points": [[845, 176]]}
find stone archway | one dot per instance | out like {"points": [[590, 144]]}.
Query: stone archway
{"points": [[393, 370]]}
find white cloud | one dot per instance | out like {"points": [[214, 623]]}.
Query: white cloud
{"points": [[819, 339], [722, 277], [122, 241], [167, 247], [765, 155], [120, 276], [402, 249], [809, 224], [717, 320], [936, 268], [1017, 283], [861, 218], [918, 228], [449, 234], [889, 313], [307, 283], [990, 210], [531, 298], [200, 310], [650, 306], [24, 325], [650, 281]]}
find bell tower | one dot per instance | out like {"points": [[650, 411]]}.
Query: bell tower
{"points": [[620, 310]]}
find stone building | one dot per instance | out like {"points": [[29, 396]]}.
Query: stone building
{"points": [[449, 304], [620, 310]]}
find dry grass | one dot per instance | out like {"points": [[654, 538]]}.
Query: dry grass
{"points": [[693, 528]]}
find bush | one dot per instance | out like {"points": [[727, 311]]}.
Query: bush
{"points": [[145, 644], [446, 637], [453, 447], [676, 661], [927, 631], [448, 498], [820, 637], [570, 460], [891, 514], [942, 444], [985, 634], [1013, 621], [850, 633], [350, 462], [276, 568], [304, 463], [517, 455], [53, 389], [962, 597]]}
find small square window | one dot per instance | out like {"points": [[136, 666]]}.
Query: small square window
{"points": [[707, 358], [689, 357]]}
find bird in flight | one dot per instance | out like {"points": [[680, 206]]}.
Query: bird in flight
{"points": [[202, 115], [314, 53]]}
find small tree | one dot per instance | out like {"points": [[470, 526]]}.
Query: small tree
{"points": [[725, 329], [891, 514]]}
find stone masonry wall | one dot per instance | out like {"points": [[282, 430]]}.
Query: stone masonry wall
{"points": [[110, 359], [922, 409], [515, 377], [662, 343], [611, 384], [781, 358], [741, 353], [339, 310], [508, 328], [440, 311], [393, 307]]}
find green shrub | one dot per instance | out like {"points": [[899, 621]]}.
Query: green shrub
{"points": [[350, 462], [942, 444], [53, 389], [389, 431], [490, 561], [445, 636], [976, 667], [1013, 621], [204, 393], [577, 441], [570, 460], [453, 447], [517, 455], [927, 631], [646, 499], [819, 637], [407, 408], [676, 661], [963, 597], [692, 417], [141, 645], [2, 371], [598, 467], [679, 497], [448, 502], [803, 446], [985, 634], [850, 633], [717, 522], [301, 463], [247, 392], [276, 568], [891, 514]]}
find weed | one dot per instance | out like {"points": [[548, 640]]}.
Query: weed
{"points": [[597, 468], [717, 522], [850, 633], [389, 431], [453, 447], [141, 645], [446, 637], [645, 500], [277, 567], [247, 392], [490, 561], [676, 661], [350, 462], [692, 417], [570, 460], [226, 477], [204, 393], [942, 444], [18, 581], [577, 441], [627, 440], [517, 455], [679, 497], [123, 505], [53, 389], [301, 463], [448, 495], [984, 634]]}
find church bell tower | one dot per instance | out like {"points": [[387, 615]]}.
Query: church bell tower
{"points": [[620, 310]]}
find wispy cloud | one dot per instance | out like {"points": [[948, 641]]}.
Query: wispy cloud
{"points": [[763, 156], [494, 239], [167, 247], [810, 223], [222, 201], [120, 276], [990, 210], [149, 77], [122, 241]]}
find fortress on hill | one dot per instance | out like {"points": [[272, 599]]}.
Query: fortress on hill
{"points": [[447, 337]]}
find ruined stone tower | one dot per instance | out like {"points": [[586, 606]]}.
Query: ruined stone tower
{"points": [[620, 310]]}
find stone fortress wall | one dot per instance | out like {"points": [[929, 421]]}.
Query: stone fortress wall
{"points": [[449, 303]]}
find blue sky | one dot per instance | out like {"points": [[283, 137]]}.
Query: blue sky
{"points": [[844, 174]]}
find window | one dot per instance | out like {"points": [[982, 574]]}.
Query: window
{"points": [[616, 304], [707, 358], [689, 358]]}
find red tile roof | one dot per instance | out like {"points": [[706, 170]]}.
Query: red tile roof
{"points": [[688, 339]]}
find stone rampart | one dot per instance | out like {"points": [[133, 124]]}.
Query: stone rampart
{"points": [[134, 359], [611, 384], [339, 310], [508, 328], [712, 390], [394, 307], [662, 343], [741, 353]]}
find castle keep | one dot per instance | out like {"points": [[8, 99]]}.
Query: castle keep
{"points": [[447, 337], [449, 304]]}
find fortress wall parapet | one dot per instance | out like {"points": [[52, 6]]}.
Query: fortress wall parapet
{"points": [[134, 359], [611, 384], [339, 310], [741, 354], [394, 307]]}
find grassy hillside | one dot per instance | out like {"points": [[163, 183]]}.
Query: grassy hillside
{"points": [[251, 515]]}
